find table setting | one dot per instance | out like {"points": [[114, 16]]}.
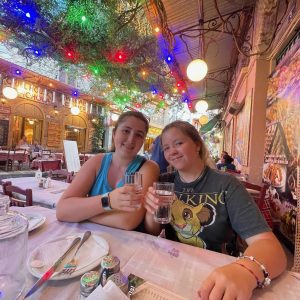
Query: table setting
{"points": [[44, 193], [166, 269]]}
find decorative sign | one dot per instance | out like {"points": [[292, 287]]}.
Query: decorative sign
{"points": [[4, 125], [71, 156], [54, 135], [5, 109]]}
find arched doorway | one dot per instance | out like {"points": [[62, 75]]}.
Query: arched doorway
{"points": [[76, 130], [27, 120]]}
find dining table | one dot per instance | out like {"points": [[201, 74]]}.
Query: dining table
{"points": [[173, 266], [47, 197]]}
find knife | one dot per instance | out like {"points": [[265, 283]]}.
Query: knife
{"points": [[50, 272]]}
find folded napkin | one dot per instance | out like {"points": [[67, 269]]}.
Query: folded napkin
{"points": [[109, 292]]}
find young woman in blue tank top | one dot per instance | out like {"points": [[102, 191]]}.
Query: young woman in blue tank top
{"points": [[98, 193]]}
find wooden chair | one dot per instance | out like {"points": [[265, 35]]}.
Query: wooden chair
{"points": [[46, 153], [61, 174], [260, 199], [47, 165], [19, 156], [4, 184], [70, 177], [18, 196], [4, 159]]}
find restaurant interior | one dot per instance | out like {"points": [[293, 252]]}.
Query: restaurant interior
{"points": [[69, 69]]}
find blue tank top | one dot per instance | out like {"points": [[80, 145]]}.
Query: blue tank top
{"points": [[101, 185]]}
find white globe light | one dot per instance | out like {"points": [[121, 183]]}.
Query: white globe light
{"points": [[114, 117], [10, 93], [203, 120], [201, 106], [75, 110], [196, 70]]}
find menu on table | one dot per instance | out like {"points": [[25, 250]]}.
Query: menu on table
{"points": [[71, 156]]}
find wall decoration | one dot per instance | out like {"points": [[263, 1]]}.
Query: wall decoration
{"points": [[242, 132], [229, 137], [283, 142]]}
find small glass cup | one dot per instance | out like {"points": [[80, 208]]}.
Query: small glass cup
{"points": [[136, 180], [165, 192]]}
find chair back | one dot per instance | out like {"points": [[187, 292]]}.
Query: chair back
{"points": [[70, 177], [4, 184], [46, 153], [61, 174], [48, 165], [18, 196], [261, 201]]}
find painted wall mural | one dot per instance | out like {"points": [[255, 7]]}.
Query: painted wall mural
{"points": [[228, 137], [283, 141], [242, 132]]}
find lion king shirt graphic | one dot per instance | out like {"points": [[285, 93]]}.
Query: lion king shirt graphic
{"points": [[208, 212]]}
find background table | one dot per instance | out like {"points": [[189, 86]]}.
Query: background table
{"points": [[40, 196], [175, 266]]}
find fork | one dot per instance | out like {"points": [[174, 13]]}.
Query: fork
{"points": [[71, 266]]}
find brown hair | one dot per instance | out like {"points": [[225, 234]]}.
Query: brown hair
{"points": [[128, 114], [189, 130]]}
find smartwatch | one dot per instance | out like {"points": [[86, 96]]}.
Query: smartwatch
{"points": [[105, 201]]}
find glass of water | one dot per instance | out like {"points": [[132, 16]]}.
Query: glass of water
{"points": [[165, 192], [136, 180]]}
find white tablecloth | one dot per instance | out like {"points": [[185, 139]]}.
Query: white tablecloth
{"points": [[44, 197], [171, 265]]}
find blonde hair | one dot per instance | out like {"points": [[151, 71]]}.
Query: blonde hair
{"points": [[189, 130]]}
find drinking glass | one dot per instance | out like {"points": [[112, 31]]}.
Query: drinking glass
{"points": [[136, 180], [165, 192]]}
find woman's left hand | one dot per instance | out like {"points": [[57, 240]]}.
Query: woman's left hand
{"points": [[228, 282], [126, 198]]}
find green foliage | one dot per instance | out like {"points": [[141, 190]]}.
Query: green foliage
{"points": [[98, 134]]}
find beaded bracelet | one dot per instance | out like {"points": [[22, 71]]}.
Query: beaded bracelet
{"points": [[267, 279]]}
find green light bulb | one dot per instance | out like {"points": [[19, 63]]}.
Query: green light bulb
{"points": [[83, 18]]}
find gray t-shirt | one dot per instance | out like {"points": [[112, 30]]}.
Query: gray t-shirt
{"points": [[208, 211]]}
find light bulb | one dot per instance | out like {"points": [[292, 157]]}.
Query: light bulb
{"points": [[196, 70], [114, 117], [203, 120], [10, 93], [201, 106], [75, 110]]}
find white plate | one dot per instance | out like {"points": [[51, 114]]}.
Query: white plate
{"points": [[35, 220], [89, 256]]}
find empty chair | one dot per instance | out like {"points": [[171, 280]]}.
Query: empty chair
{"points": [[19, 156], [3, 185], [47, 165], [18, 196], [61, 174], [5, 160], [46, 153]]}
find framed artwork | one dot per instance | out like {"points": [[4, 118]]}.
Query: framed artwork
{"points": [[229, 136], [242, 131]]}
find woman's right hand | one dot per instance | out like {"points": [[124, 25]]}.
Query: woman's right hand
{"points": [[126, 198], [151, 202]]}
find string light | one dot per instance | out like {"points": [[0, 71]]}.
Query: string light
{"points": [[75, 110], [197, 70], [201, 106]]}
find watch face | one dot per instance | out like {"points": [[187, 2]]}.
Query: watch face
{"points": [[105, 203]]}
